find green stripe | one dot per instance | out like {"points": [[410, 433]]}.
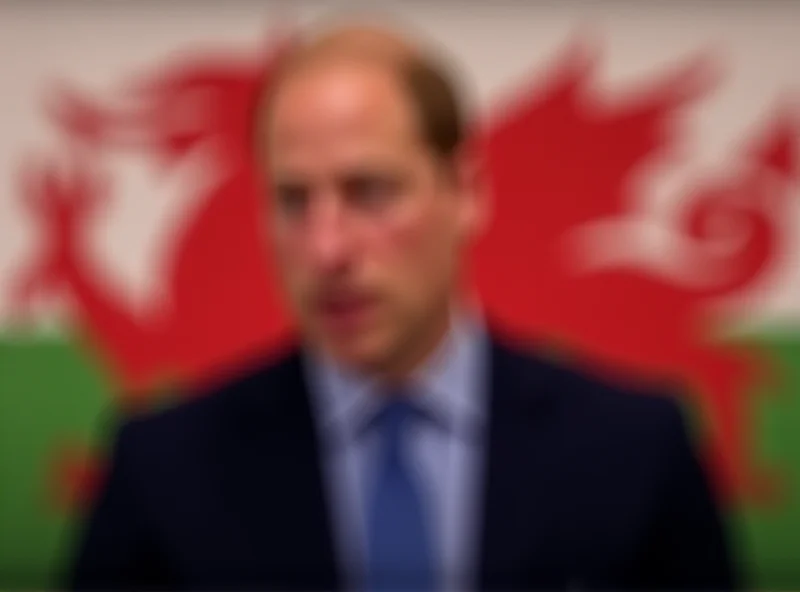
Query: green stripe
{"points": [[51, 390]]}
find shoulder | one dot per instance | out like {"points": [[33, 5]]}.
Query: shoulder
{"points": [[611, 435], [244, 402], [619, 459], [632, 419]]}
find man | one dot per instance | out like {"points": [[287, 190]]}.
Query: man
{"points": [[404, 445]]}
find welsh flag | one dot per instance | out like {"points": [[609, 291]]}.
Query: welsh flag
{"points": [[644, 175]]}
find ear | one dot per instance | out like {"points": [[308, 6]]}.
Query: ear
{"points": [[473, 192]]}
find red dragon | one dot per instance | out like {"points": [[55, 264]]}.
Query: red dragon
{"points": [[558, 156], [561, 157]]}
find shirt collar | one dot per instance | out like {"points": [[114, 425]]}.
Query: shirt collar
{"points": [[449, 387]]}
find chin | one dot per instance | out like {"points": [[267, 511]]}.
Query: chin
{"points": [[363, 353]]}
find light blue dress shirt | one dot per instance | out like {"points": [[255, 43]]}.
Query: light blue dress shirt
{"points": [[446, 451]]}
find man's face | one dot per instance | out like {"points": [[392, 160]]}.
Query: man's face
{"points": [[367, 224]]}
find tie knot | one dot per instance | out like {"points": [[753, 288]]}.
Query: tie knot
{"points": [[395, 416], [392, 423]]}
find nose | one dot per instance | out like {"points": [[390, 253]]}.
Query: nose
{"points": [[329, 237]]}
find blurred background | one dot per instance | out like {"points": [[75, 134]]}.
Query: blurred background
{"points": [[641, 157]]}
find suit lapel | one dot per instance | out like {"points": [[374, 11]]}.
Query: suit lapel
{"points": [[274, 483], [520, 522], [274, 489]]}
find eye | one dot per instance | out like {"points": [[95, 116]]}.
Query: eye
{"points": [[371, 191], [291, 198]]}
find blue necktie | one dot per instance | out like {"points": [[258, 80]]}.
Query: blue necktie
{"points": [[399, 553]]}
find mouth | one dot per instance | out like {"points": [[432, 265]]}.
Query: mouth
{"points": [[343, 314]]}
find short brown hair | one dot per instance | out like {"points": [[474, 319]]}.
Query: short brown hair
{"points": [[437, 104], [431, 89]]}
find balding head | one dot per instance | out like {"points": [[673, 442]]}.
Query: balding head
{"points": [[424, 82], [364, 40]]}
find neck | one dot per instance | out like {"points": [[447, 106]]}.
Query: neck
{"points": [[429, 338], [420, 347]]}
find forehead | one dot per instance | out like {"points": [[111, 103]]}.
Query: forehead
{"points": [[328, 103]]}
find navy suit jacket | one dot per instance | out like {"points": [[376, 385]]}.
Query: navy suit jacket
{"points": [[587, 486]]}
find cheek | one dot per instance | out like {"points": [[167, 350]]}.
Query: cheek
{"points": [[287, 255], [412, 246]]}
